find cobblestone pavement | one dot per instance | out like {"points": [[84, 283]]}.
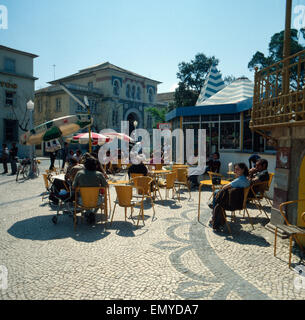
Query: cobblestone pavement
{"points": [[172, 257]]}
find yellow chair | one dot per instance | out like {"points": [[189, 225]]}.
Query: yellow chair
{"points": [[169, 184], [124, 199], [290, 229], [90, 200], [158, 166], [271, 175], [182, 180], [256, 195], [144, 188], [47, 184], [135, 175], [213, 175]]}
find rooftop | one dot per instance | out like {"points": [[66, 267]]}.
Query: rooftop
{"points": [[18, 52]]}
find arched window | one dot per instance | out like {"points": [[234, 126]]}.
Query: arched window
{"points": [[138, 93], [133, 92], [128, 91], [151, 95], [116, 88]]}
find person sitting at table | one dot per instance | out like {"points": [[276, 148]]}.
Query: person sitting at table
{"points": [[223, 200], [138, 166], [213, 164], [90, 177], [72, 170], [258, 174], [77, 155], [253, 159]]}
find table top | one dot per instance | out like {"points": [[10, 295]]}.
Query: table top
{"points": [[230, 172], [118, 182], [160, 171], [209, 182], [58, 177]]}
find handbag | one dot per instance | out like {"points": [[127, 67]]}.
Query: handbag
{"points": [[216, 180]]}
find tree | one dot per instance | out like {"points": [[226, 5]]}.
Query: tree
{"points": [[229, 79], [158, 114], [276, 46], [192, 76]]}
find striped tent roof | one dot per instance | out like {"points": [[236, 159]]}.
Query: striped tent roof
{"points": [[239, 90], [212, 85]]}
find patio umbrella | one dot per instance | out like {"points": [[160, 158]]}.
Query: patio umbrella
{"points": [[56, 128], [117, 135], [96, 138]]}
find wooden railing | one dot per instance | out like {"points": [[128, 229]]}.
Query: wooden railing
{"points": [[279, 94]]}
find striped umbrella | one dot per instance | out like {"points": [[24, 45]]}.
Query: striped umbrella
{"points": [[96, 138], [56, 128], [117, 135]]}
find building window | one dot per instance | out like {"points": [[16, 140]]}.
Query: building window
{"points": [[128, 91], [39, 107], [9, 65], [10, 130], [116, 88], [149, 121], [9, 98], [151, 95], [229, 135], [58, 104], [138, 93], [90, 85], [248, 137], [115, 117], [133, 92]]}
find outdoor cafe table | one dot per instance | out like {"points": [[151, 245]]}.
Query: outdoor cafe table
{"points": [[208, 183]]}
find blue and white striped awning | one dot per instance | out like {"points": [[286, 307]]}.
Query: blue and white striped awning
{"points": [[212, 85], [239, 90]]}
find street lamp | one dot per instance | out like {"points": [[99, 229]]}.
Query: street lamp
{"points": [[135, 124], [89, 128], [30, 107]]}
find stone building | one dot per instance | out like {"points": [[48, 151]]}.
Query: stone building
{"points": [[114, 94], [16, 89]]}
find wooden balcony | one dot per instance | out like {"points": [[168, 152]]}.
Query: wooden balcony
{"points": [[279, 94]]}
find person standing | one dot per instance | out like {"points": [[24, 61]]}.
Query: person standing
{"points": [[5, 156], [53, 156], [65, 153], [13, 158]]}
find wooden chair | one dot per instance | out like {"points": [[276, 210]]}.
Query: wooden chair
{"points": [[47, 184], [215, 187], [182, 180], [158, 166], [271, 175], [144, 189], [169, 184], [135, 175], [124, 199], [90, 201], [291, 230], [256, 195], [233, 217]]}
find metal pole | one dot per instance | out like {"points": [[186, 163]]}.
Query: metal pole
{"points": [[286, 49], [32, 147], [89, 130]]}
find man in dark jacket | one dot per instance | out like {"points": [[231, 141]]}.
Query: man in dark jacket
{"points": [[13, 158]]}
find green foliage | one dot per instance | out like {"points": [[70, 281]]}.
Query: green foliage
{"points": [[192, 76], [276, 47], [158, 114]]}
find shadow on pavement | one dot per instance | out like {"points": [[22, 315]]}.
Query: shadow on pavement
{"points": [[41, 228]]}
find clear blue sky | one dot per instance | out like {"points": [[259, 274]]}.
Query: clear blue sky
{"points": [[147, 37]]}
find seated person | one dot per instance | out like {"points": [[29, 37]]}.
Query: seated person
{"points": [[138, 167], [214, 164], [253, 159], [195, 175], [258, 174], [72, 170], [89, 177], [241, 181]]}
